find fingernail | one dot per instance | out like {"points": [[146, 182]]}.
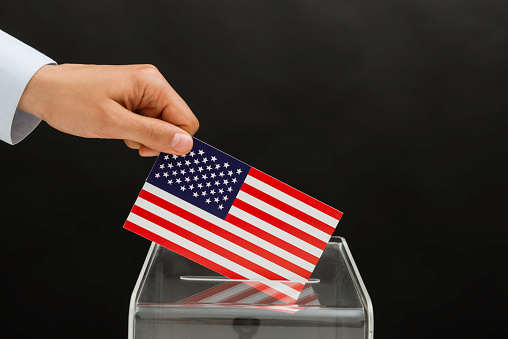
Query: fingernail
{"points": [[181, 142]]}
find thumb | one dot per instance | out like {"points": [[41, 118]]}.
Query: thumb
{"points": [[154, 133]]}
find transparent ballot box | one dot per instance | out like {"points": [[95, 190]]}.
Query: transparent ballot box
{"points": [[175, 297]]}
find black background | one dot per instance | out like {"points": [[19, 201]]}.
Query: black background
{"points": [[393, 111]]}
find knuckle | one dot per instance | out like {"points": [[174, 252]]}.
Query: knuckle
{"points": [[149, 67], [146, 74], [194, 124], [190, 124]]}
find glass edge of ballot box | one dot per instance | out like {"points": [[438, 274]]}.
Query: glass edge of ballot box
{"points": [[174, 297]]}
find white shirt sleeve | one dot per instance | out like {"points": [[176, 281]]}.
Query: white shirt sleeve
{"points": [[18, 63]]}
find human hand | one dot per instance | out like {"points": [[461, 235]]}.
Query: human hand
{"points": [[131, 102]]}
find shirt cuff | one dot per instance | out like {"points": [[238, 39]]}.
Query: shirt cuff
{"points": [[18, 63]]}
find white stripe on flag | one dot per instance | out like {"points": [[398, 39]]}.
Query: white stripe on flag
{"points": [[298, 204], [269, 292], [224, 295], [255, 298], [218, 240], [250, 237], [279, 308], [250, 293], [289, 219], [181, 241], [276, 231], [279, 287]]}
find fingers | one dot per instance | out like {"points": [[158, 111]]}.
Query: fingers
{"points": [[152, 135], [147, 152], [132, 144], [143, 150], [161, 100]]}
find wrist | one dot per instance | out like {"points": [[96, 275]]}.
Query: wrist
{"points": [[32, 100]]}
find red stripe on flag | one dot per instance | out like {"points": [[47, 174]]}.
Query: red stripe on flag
{"points": [[225, 234], [206, 243], [240, 295], [291, 309], [181, 250], [211, 292], [307, 299], [295, 193], [287, 208], [272, 239], [251, 288], [275, 297], [272, 301], [272, 295], [295, 285], [279, 223]]}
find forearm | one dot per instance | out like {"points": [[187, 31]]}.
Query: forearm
{"points": [[18, 63]]}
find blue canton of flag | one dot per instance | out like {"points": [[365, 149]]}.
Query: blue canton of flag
{"points": [[204, 177]]}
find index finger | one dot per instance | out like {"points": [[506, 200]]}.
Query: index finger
{"points": [[160, 100]]}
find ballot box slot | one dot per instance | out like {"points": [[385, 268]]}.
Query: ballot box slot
{"points": [[225, 279]]}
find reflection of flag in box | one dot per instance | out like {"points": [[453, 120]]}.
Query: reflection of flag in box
{"points": [[232, 218], [255, 294]]}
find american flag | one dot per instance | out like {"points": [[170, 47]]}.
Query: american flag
{"points": [[252, 293], [247, 294], [232, 218]]}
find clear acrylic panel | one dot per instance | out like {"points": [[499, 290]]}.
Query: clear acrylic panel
{"points": [[175, 297]]}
